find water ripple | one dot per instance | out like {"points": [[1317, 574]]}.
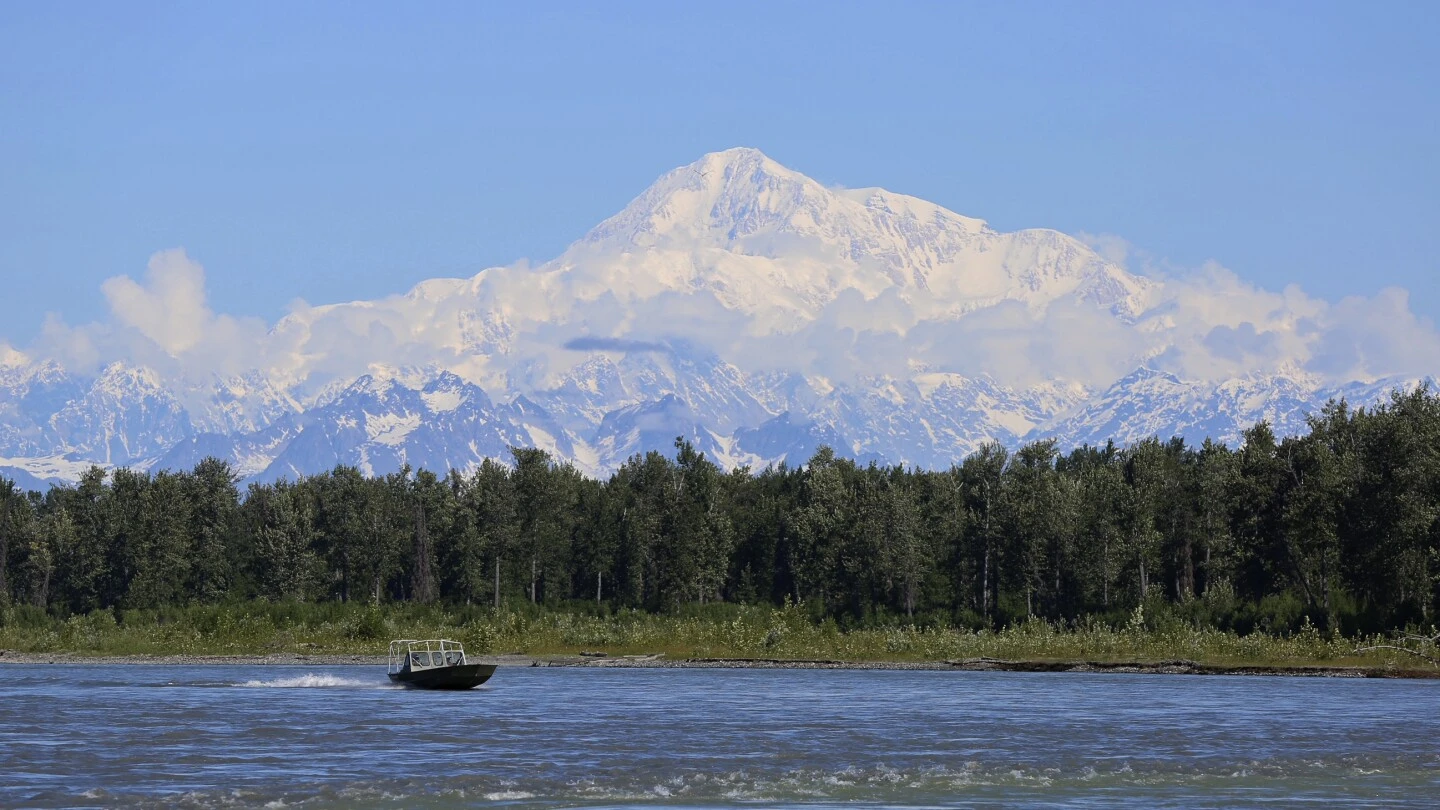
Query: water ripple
{"points": [[535, 738]]}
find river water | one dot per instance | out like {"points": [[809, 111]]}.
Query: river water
{"points": [[210, 736]]}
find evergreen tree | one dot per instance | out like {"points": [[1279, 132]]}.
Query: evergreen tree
{"points": [[984, 477], [9, 496], [821, 524], [214, 505]]}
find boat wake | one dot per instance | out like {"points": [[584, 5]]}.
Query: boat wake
{"points": [[313, 681]]}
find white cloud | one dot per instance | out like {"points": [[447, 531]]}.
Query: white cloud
{"points": [[1112, 248], [1023, 346], [164, 323], [9, 356], [169, 308], [1367, 338], [508, 328], [1213, 325], [74, 348]]}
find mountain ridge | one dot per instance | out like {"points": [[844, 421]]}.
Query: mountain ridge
{"points": [[735, 302]]}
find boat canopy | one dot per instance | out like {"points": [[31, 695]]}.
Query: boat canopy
{"points": [[409, 655]]}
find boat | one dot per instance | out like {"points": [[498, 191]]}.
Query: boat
{"points": [[436, 663]]}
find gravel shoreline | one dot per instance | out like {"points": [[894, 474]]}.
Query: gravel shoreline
{"points": [[601, 661]]}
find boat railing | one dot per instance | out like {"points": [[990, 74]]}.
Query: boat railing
{"points": [[416, 654]]}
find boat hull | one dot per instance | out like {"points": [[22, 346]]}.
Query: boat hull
{"points": [[463, 676]]}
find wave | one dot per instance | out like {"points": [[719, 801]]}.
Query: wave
{"points": [[1127, 784], [314, 681]]}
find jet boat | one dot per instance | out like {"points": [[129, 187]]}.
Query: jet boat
{"points": [[435, 664]]}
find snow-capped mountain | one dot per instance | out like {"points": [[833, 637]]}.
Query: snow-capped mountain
{"points": [[771, 242], [1156, 403], [128, 413], [736, 303], [29, 395]]}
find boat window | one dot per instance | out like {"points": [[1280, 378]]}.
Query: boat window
{"points": [[437, 659], [416, 660], [453, 658]]}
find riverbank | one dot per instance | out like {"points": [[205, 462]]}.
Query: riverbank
{"points": [[657, 660], [726, 635]]}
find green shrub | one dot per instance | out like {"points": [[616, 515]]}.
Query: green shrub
{"points": [[1151, 632], [368, 625]]}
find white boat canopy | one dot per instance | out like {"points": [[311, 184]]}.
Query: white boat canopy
{"points": [[412, 654]]}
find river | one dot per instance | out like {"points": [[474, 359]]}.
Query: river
{"points": [[213, 736]]}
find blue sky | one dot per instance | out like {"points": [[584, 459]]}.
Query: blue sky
{"points": [[335, 152]]}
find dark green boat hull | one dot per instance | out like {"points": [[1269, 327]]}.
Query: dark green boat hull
{"points": [[464, 676]]}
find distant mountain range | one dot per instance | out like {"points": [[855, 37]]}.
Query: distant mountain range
{"points": [[735, 302]]}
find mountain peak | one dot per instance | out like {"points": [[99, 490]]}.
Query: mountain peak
{"points": [[726, 198], [742, 166], [122, 375], [724, 194], [819, 241], [733, 156]]}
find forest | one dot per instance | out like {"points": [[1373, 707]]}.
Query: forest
{"points": [[1338, 529]]}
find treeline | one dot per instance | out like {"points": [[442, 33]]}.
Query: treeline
{"points": [[1340, 527]]}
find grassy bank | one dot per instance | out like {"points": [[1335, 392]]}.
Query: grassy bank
{"points": [[721, 631]]}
